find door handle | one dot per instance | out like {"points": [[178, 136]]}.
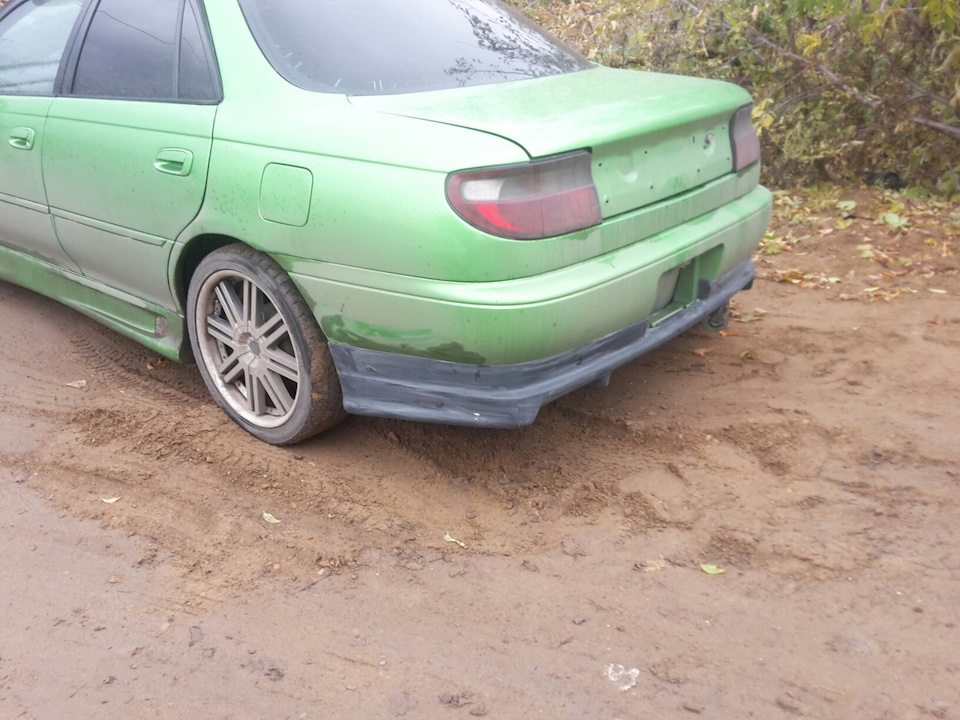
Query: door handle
{"points": [[22, 138], [173, 161]]}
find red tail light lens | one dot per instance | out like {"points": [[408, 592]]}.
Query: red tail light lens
{"points": [[743, 139], [540, 199]]}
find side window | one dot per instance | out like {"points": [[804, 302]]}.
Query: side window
{"points": [[130, 51], [32, 40], [196, 78], [133, 51]]}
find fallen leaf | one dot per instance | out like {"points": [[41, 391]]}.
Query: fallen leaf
{"points": [[794, 276], [729, 333], [270, 519], [937, 291], [703, 352], [451, 539], [895, 220], [747, 356], [109, 501], [710, 569], [78, 384]]}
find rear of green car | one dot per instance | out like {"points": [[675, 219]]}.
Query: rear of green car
{"points": [[432, 317]]}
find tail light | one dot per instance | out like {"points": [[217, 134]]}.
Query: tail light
{"points": [[539, 199], [743, 139]]}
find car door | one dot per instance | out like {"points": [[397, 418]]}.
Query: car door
{"points": [[128, 141], [33, 36]]}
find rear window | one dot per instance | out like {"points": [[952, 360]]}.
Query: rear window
{"points": [[380, 47]]}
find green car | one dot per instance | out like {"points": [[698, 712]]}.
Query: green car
{"points": [[427, 210]]}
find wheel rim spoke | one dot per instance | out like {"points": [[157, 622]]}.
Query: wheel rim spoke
{"points": [[231, 304], [271, 342], [231, 369], [252, 303], [219, 329], [256, 397], [282, 363], [273, 386], [274, 325]]}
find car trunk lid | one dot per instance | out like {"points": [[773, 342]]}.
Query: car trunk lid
{"points": [[653, 136]]}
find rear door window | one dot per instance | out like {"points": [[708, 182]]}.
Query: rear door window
{"points": [[130, 51], [196, 72], [140, 50], [374, 47], [32, 40]]}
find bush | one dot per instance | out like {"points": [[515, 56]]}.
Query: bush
{"points": [[842, 88]]}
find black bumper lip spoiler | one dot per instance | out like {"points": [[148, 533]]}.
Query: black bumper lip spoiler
{"points": [[392, 385]]}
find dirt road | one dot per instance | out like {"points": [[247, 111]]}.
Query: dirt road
{"points": [[813, 453]]}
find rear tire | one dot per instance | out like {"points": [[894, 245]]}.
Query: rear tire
{"points": [[718, 319], [260, 350]]}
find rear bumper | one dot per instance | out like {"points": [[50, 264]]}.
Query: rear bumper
{"points": [[543, 314], [387, 384]]}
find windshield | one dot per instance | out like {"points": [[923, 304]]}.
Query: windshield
{"points": [[378, 47]]}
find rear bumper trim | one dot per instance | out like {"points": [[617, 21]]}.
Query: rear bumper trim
{"points": [[385, 384]]}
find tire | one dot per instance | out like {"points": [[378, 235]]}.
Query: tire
{"points": [[718, 319], [260, 351]]}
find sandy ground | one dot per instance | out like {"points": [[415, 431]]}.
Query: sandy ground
{"points": [[812, 452]]}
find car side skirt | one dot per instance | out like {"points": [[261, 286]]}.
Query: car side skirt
{"points": [[385, 384], [159, 329]]}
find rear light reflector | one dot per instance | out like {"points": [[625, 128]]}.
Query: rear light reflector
{"points": [[534, 200], [743, 139]]}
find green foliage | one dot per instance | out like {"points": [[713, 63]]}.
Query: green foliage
{"points": [[841, 88]]}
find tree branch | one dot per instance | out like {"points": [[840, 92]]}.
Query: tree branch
{"points": [[952, 131]]}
